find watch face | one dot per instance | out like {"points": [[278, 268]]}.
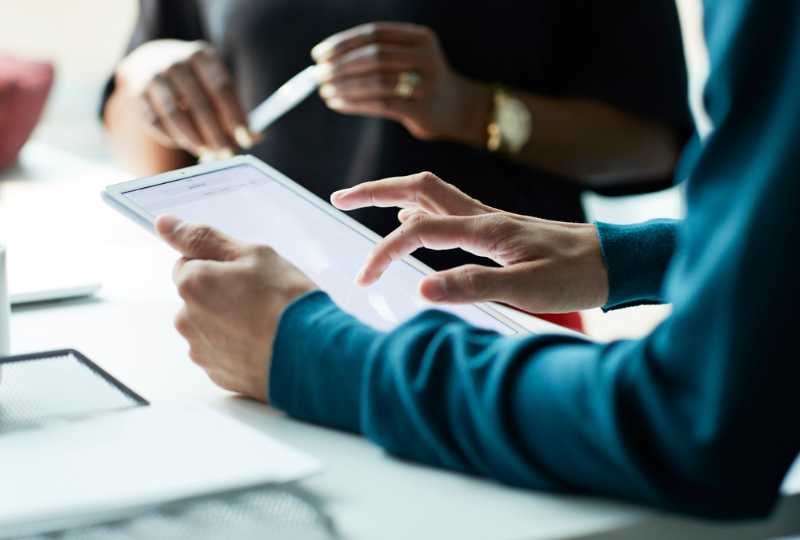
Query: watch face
{"points": [[515, 122]]}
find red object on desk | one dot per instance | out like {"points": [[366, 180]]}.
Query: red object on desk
{"points": [[24, 86], [572, 320]]}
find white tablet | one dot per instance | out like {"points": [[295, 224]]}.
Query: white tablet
{"points": [[248, 199]]}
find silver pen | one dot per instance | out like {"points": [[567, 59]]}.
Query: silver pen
{"points": [[283, 100]]}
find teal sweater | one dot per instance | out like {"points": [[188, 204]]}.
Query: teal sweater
{"points": [[701, 415]]}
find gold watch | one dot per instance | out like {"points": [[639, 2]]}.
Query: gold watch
{"points": [[509, 126]]}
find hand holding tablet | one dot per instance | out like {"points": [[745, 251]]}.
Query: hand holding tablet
{"points": [[248, 200], [231, 312], [252, 241]]}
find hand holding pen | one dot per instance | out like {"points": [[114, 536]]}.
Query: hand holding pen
{"points": [[399, 71], [188, 99]]}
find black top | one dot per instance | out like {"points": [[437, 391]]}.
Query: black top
{"points": [[625, 52]]}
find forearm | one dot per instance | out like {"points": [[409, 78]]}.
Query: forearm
{"points": [[542, 412], [137, 150], [695, 417], [588, 141]]}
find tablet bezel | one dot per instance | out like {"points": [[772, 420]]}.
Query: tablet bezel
{"points": [[114, 196]]}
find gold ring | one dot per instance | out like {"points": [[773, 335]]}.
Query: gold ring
{"points": [[407, 81]]}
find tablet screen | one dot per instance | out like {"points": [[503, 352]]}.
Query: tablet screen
{"points": [[246, 203]]}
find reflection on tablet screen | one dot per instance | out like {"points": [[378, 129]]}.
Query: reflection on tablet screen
{"points": [[245, 203]]}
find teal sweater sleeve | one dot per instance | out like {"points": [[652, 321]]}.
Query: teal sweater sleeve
{"points": [[637, 257], [700, 416]]}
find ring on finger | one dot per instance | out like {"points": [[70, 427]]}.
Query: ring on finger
{"points": [[407, 81]]}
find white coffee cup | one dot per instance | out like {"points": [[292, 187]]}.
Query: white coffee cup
{"points": [[5, 307]]}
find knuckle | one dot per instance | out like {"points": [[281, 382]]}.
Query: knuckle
{"points": [[377, 53], [159, 79], [198, 237], [505, 223], [182, 323], [494, 230], [417, 220], [475, 280], [174, 70], [264, 252], [220, 380], [372, 31], [201, 54], [427, 181], [195, 285], [371, 50], [203, 50], [187, 288], [198, 357]]}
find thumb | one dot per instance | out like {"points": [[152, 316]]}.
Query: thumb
{"points": [[196, 240], [465, 285]]}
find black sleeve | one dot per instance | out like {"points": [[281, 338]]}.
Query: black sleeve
{"points": [[161, 19]]}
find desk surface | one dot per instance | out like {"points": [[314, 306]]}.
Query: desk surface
{"points": [[127, 329]]}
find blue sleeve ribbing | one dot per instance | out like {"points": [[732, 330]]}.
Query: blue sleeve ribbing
{"points": [[637, 257]]}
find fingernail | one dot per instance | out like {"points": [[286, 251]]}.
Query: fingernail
{"points": [[322, 51], [360, 275], [337, 194], [323, 73], [327, 90], [207, 156], [335, 103], [243, 137], [436, 288], [172, 224], [225, 153]]}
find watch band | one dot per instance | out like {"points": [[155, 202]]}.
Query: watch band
{"points": [[493, 136]]}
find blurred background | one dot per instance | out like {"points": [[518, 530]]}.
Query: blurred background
{"points": [[84, 39]]}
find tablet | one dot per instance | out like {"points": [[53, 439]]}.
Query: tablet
{"points": [[247, 199]]}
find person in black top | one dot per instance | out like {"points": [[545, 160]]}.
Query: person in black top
{"points": [[603, 84]]}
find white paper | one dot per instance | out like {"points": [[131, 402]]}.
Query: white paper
{"points": [[133, 459]]}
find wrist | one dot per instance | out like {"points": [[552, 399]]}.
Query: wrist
{"points": [[319, 380], [594, 265], [473, 109]]}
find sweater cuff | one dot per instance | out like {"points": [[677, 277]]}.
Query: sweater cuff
{"points": [[637, 257], [317, 362]]}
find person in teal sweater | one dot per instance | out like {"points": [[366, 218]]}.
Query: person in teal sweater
{"points": [[697, 417]]}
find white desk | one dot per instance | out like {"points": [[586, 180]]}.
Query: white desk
{"points": [[127, 329]]}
